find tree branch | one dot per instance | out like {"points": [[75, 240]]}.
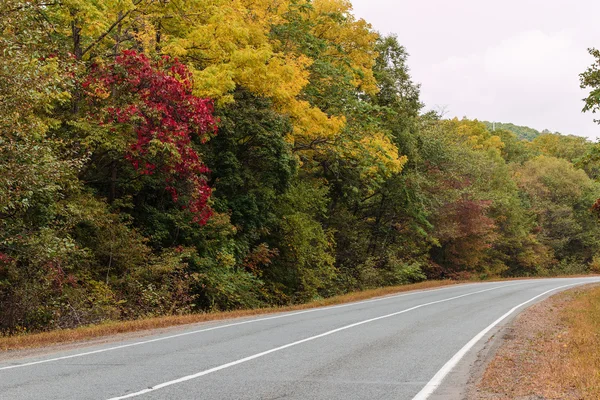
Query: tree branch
{"points": [[110, 28]]}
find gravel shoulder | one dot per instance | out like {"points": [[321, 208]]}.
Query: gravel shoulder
{"points": [[525, 360]]}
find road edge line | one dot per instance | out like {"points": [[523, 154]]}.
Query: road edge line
{"points": [[438, 378]]}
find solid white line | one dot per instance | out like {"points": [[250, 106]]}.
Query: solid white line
{"points": [[437, 379], [264, 353], [103, 350]]}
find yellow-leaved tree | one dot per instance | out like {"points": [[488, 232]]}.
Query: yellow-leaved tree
{"points": [[283, 50], [475, 135], [231, 44]]}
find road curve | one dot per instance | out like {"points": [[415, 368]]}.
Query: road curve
{"points": [[396, 347]]}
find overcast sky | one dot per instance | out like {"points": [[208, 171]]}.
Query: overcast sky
{"points": [[509, 61]]}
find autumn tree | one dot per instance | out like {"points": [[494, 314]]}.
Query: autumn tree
{"points": [[64, 254], [146, 113], [560, 196]]}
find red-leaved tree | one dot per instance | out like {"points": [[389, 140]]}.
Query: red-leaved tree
{"points": [[151, 104]]}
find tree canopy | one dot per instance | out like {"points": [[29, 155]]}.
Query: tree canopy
{"points": [[173, 157]]}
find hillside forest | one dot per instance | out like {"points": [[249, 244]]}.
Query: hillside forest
{"points": [[170, 157]]}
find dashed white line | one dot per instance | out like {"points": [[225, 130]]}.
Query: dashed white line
{"points": [[264, 353], [195, 332]]}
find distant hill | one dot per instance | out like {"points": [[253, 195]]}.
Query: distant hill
{"points": [[522, 132]]}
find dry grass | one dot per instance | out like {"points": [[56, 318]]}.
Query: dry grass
{"points": [[551, 351], [582, 369], [28, 341]]}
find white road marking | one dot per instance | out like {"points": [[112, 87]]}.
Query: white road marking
{"points": [[264, 353], [103, 350], [437, 379]]}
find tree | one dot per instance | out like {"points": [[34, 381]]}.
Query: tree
{"points": [[590, 79], [522, 132], [64, 255], [560, 196], [570, 147], [147, 114]]}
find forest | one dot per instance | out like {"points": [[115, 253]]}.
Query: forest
{"points": [[162, 157]]}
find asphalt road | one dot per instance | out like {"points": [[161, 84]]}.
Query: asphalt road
{"points": [[397, 347]]}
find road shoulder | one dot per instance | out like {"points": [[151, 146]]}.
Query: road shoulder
{"points": [[526, 359]]}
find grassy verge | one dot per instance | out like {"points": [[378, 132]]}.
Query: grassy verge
{"points": [[551, 351], [27, 341], [582, 367]]}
